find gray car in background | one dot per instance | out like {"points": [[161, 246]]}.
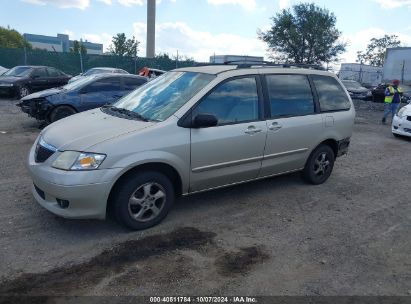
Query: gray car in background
{"points": [[95, 71], [356, 90], [191, 130]]}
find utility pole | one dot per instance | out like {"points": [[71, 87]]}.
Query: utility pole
{"points": [[151, 28], [177, 60], [402, 71], [81, 55]]}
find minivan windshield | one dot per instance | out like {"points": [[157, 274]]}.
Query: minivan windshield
{"points": [[18, 71], [162, 97]]}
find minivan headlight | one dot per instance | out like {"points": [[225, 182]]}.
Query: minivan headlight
{"points": [[78, 161]]}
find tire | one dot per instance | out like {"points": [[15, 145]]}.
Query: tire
{"points": [[61, 112], [396, 135], [23, 92], [143, 200], [319, 165]]}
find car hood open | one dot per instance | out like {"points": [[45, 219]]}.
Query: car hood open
{"points": [[82, 131]]}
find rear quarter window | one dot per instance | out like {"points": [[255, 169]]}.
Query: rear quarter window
{"points": [[331, 95]]}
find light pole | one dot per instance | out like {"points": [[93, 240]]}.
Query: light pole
{"points": [[151, 28]]}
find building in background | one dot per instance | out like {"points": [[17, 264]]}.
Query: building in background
{"points": [[397, 65], [366, 74], [61, 43]]}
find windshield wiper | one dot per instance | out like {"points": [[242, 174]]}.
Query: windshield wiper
{"points": [[126, 112]]}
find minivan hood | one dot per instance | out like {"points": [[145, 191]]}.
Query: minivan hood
{"points": [[82, 131], [44, 93]]}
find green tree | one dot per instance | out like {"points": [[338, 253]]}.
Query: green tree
{"points": [[376, 50], [78, 47], [10, 38], [305, 33], [124, 47]]}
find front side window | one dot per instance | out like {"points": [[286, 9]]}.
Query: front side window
{"points": [[41, 73], [104, 85], [290, 95], [331, 95], [234, 101], [162, 97]]}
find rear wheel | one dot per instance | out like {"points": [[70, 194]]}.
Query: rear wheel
{"points": [[143, 200], [61, 112], [319, 165]]}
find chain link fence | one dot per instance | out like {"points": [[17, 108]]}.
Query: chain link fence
{"points": [[366, 75], [74, 64]]}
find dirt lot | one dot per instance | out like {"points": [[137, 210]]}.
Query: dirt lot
{"points": [[350, 236]]}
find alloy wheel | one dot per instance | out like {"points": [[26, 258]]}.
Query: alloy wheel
{"points": [[321, 164], [147, 202]]}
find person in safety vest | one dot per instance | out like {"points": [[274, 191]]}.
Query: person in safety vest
{"points": [[392, 100]]}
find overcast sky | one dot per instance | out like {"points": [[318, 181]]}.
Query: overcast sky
{"points": [[200, 28]]}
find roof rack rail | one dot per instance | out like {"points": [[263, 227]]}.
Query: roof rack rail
{"points": [[251, 63], [272, 64]]}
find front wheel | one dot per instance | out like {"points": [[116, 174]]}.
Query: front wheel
{"points": [[61, 112], [143, 200], [319, 165], [23, 92]]}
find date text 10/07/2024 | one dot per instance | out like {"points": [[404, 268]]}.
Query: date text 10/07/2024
{"points": [[203, 300]]}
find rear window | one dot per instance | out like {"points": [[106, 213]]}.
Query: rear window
{"points": [[331, 95]]}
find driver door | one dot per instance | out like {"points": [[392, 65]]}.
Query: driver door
{"points": [[232, 151], [40, 80]]}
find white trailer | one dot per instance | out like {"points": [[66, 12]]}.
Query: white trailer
{"points": [[397, 65], [366, 74], [235, 58]]}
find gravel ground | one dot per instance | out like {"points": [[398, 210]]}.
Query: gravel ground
{"points": [[280, 236]]}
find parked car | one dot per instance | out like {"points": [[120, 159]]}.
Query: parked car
{"points": [[3, 70], [20, 81], [150, 73], [85, 94], [356, 90], [191, 130], [95, 71], [401, 124], [378, 93]]}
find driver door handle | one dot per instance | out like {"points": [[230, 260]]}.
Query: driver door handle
{"points": [[251, 130]]}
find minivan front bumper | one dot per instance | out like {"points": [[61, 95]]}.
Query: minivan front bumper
{"points": [[71, 194]]}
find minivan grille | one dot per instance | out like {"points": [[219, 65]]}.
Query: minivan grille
{"points": [[42, 154]]}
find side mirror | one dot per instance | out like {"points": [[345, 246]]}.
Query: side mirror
{"points": [[204, 121]]}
